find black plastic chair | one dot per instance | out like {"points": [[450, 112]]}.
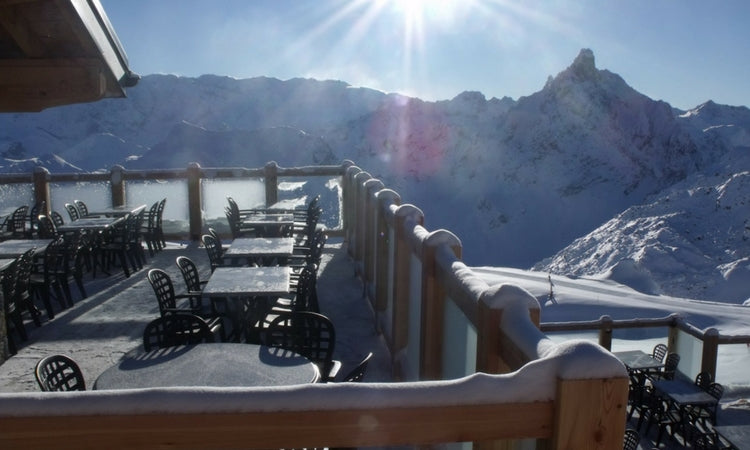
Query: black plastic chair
{"points": [[670, 367], [630, 440], [22, 291], [659, 352], [149, 232], [213, 249], [175, 329], [358, 373], [706, 413], [45, 278], [309, 334], [57, 219], [59, 373], [703, 380], [46, 229], [34, 212], [193, 282], [72, 212], [15, 224], [83, 210], [13, 317], [160, 222], [166, 298]]}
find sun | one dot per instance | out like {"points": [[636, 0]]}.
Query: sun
{"points": [[435, 12]]}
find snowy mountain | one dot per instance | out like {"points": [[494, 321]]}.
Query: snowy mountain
{"points": [[518, 181]]}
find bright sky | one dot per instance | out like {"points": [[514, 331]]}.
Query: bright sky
{"points": [[683, 52]]}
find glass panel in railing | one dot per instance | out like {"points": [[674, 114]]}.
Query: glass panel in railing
{"points": [[386, 318], [298, 191], [14, 195], [411, 369], [247, 192], [175, 217], [690, 350], [732, 363], [459, 342], [96, 195]]}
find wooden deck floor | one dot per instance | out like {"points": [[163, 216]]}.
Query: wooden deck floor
{"points": [[100, 329]]}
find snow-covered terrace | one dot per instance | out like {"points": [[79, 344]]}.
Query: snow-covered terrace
{"points": [[436, 325]]}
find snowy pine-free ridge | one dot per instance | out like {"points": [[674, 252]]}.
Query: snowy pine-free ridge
{"points": [[586, 176]]}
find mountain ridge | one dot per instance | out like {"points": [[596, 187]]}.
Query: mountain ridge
{"points": [[519, 181]]}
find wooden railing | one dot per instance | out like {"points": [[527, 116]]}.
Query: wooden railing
{"points": [[678, 333], [118, 177], [442, 324]]}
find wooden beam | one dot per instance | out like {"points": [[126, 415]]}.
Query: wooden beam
{"points": [[284, 429], [32, 85]]}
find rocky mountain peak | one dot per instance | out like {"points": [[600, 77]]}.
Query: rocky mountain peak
{"points": [[584, 66]]}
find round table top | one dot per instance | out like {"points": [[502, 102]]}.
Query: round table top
{"points": [[218, 365]]}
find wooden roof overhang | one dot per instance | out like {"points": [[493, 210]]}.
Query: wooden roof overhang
{"points": [[57, 52]]}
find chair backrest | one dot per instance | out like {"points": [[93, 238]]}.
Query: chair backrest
{"points": [[72, 212], [17, 224], [57, 219], [306, 298], [54, 257], [47, 228], [670, 366], [23, 272], [660, 351], [358, 373], [190, 273], [233, 219], [59, 373], [153, 212], [213, 249], [631, 439], [176, 329], [703, 380], [8, 282], [35, 211], [716, 390], [307, 333], [83, 210], [164, 290]]}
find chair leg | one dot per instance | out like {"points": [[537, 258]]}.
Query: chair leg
{"points": [[33, 310], [44, 294], [79, 283]]}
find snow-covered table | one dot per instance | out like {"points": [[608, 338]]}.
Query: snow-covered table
{"points": [[217, 364], [261, 250], [248, 290]]}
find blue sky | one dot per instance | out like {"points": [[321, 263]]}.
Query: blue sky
{"points": [[684, 52]]}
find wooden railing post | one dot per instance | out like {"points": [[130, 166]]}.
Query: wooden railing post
{"points": [[195, 213], [41, 188], [406, 217], [433, 305], [117, 183], [359, 221], [590, 413], [271, 177], [710, 351], [383, 246], [349, 201], [371, 187], [605, 332]]}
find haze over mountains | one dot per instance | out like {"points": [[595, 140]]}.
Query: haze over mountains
{"points": [[585, 177]]}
